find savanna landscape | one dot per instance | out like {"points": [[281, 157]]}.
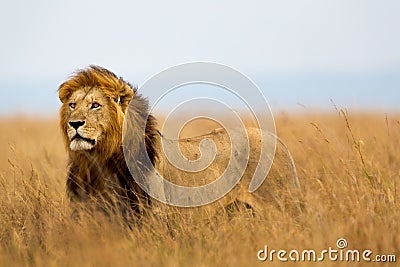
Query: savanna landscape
{"points": [[347, 163]]}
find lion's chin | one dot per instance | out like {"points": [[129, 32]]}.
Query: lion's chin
{"points": [[80, 144]]}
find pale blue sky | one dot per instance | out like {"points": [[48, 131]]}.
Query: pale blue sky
{"points": [[297, 51]]}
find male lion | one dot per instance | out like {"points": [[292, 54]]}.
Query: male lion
{"points": [[94, 104]]}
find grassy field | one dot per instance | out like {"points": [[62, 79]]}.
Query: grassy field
{"points": [[348, 166]]}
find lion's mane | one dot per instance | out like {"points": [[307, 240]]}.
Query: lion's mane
{"points": [[100, 175]]}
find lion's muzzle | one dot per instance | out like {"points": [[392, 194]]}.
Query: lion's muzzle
{"points": [[79, 141]]}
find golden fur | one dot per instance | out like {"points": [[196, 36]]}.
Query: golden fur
{"points": [[278, 190]]}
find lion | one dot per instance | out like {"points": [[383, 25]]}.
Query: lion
{"points": [[95, 102]]}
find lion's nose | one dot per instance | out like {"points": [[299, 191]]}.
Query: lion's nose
{"points": [[76, 124]]}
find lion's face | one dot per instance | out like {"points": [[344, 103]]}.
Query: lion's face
{"points": [[94, 102], [88, 117]]}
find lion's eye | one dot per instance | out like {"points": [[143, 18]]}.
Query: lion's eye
{"points": [[72, 105], [95, 105]]}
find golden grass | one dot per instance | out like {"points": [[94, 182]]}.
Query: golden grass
{"points": [[348, 166]]}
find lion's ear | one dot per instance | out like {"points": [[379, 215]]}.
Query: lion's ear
{"points": [[64, 92], [125, 97]]}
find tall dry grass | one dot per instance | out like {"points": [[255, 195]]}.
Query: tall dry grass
{"points": [[348, 166]]}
